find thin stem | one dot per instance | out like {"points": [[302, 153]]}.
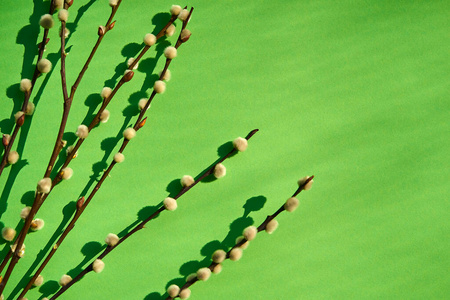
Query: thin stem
{"points": [[260, 228], [36, 74], [39, 199], [139, 123], [141, 225]]}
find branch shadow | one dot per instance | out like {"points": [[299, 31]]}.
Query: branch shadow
{"points": [[68, 212], [236, 227]]}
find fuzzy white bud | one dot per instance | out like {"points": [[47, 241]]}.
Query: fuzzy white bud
{"points": [[106, 92], [187, 180], [98, 265], [217, 269], [170, 30], [44, 185], [8, 233], [58, 3], [149, 39], [38, 281], [111, 239], [104, 116], [63, 15], [112, 3], [240, 144], [18, 115], [291, 204], [46, 21], [142, 103], [82, 131], [13, 157], [175, 10], [69, 151], [25, 85], [236, 254], [203, 274], [21, 251], [173, 290], [66, 173], [170, 203], [129, 133], [25, 212], [250, 233], [159, 86], [167, 75], [30, 109], [244, 245], [65, 279], [183, 15], [130, 61], [191, 277], [219, 171], [66, 33], [219, 256], [170, 52], [185, 294], [37, 224], [44, 65], [119, 157], [271, 226]]}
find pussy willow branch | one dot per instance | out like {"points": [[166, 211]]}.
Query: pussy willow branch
{"points": [[96, 120], [141, 225], [243, 241], [58, 144], [83, 204], [29, 219], [36, 74]]}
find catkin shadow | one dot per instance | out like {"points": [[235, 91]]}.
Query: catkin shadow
{"points": [[68, 212], [48, 288], [154, 296], [89, 250], [72, 26], [160, 20], [235, 230]]}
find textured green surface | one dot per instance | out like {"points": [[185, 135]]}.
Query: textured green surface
{"points": [[355, 92]]}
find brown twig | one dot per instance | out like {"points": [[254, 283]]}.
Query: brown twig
{"points": [[213, 265], [39, 198], [36, 74], [82, 203], [142, 224], [96, 120]]}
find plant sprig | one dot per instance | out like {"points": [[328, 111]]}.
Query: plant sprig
{"points": [[129, 133], [39, 198], [113, 241], [235, 253], [27, 87]]}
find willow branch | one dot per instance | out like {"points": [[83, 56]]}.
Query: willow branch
{"points": [[40, 197], [82, 203], [251, 233], [142, 224], [36, 74]]}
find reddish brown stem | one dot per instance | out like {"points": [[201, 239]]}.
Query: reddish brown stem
{"points": [[36, 74], [139, 123], [39, 199], [141, 225], [243, 240]]}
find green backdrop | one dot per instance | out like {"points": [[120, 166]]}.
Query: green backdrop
{"points": [[354, 92]]}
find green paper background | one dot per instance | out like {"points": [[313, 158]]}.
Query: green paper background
{"points": [[354, 92]]}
